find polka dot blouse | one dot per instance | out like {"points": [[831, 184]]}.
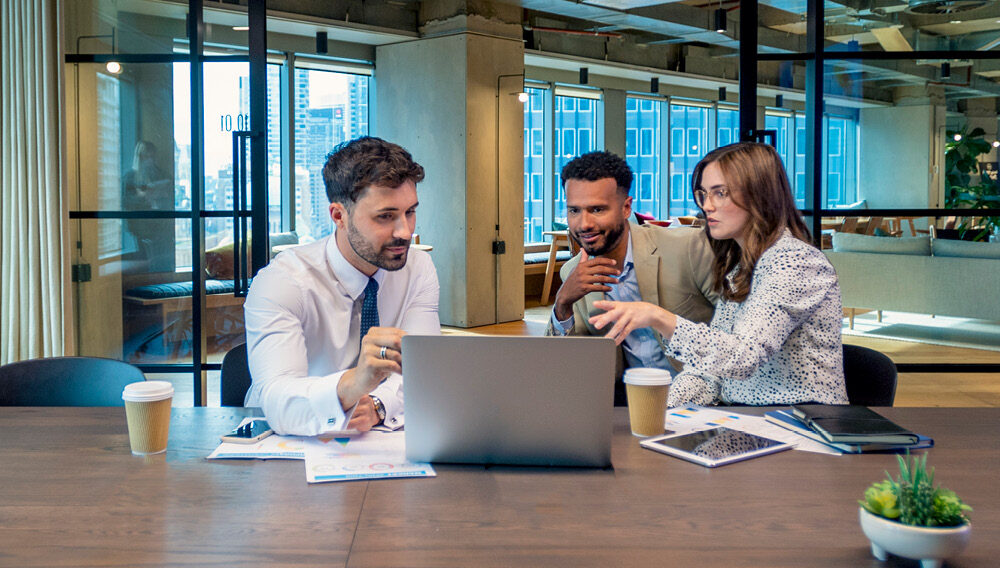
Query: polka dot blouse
{"points": [[781, 345]]}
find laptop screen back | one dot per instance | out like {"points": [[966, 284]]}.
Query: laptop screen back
{"points": [[509, 400]]}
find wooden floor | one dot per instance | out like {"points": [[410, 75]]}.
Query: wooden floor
{"points": [[913, 389]]}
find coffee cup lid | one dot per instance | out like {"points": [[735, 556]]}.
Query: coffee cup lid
{"points": [[646, 376], [148, 391]]}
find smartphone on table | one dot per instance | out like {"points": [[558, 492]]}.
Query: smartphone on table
{"points": [[252, 431]]}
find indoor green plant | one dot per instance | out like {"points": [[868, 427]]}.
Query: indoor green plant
{"points": [[911, 517], [962, 151]]}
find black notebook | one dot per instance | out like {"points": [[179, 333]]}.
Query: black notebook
{"points": [[853, 424]]}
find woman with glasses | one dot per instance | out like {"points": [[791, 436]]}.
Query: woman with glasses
{"points": [[775, 336]]}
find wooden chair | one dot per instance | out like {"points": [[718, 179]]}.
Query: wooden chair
{"points": [[66, 381], [235, 379], [873, 223], [850, 225]]}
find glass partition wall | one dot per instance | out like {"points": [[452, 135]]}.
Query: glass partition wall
{"points": [[186, 176], [895, 138], [167, 125]]}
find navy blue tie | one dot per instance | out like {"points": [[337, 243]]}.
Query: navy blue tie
{"points": [[369, 309]]}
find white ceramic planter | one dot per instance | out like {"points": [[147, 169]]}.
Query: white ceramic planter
{"points": [[930, 545]]}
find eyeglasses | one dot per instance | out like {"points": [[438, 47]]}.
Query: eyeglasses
{"points": [[718, 196]]}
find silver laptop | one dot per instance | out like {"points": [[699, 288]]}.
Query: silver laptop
{"points": [[509, 400]]}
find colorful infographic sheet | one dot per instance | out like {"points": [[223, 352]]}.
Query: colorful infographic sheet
{"points": [[372, 455], [378, 454]]}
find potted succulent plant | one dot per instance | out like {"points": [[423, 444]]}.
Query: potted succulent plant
{"points": [[911, 517]]}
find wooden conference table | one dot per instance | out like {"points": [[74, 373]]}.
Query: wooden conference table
{"points": [[72, 495]]}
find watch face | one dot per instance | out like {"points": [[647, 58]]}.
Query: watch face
{"points": [[379, 407]]}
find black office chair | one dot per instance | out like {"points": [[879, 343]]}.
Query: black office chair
{"points": [[235, 376], [66, 381], [870, 376]]}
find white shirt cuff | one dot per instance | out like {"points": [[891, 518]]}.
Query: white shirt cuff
{"points": [[390, 392]]}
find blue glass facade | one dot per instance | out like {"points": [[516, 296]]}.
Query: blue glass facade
{"points": [[534, 165], [575, 134], [691, 137], [642, 152], [688, 144]]}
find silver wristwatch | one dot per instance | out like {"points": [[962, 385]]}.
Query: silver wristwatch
{"points": [[379, 408]]}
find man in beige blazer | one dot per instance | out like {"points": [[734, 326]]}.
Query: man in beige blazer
{"points": [[625, 261]]}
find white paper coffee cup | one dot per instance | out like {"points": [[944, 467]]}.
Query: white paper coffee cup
{"points": [[147, 409], [647, 390]]}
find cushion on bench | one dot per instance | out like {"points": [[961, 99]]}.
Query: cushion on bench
{"points": [[850, 242], [179, 289], [967, 249], [543, 257]]}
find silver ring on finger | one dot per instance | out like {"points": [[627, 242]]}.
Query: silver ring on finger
{"points": [[381, 353]]}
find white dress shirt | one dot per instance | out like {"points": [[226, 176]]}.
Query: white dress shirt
{"points": [[303, 320]]}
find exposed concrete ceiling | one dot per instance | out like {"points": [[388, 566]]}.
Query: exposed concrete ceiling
{"points": [[876, 25]]}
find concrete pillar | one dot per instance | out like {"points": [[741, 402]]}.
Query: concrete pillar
{"points": [[614, 121], [441, 97]]}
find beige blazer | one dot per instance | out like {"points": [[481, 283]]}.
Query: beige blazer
{"points": [[674, 270]]}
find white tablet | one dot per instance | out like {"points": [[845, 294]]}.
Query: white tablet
{"points": [[715, 447]]}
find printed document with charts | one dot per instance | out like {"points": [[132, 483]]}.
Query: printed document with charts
{"points": [[378, 454]]}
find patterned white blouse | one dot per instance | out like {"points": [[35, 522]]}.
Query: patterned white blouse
{"points": [[781, 345]]}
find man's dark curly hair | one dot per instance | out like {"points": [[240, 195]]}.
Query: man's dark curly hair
{"points": [[365, 161], [599, 165]]}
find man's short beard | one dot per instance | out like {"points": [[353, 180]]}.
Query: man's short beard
{"points": [[367, 252], [611, 239]]}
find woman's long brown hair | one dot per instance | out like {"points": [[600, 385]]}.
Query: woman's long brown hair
{"points": [[759, 185]]}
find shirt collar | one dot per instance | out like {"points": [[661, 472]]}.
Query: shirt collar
{"points": [[353, 280], [629, 259]]}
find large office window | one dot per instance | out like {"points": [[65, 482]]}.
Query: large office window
{"points": [[534, 165], [780, 124], [688, 144], [728, 126], [227, 109], [575, 133], [841, 156], [642, 152], [797, 173], [330, 108]]}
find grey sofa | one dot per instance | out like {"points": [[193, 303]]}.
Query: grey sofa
{"points": [[918, 274]]}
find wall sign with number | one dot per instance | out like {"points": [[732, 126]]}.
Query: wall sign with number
{"points": [[226, 122]]}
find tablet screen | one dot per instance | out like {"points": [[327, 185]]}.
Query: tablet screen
{"points": [[715, 446]]}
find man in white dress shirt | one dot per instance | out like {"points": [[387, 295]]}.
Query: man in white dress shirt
{"points": [[325, 320]]}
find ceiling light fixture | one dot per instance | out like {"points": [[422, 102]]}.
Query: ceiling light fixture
{"points": [[720, 20], [996, 143], [957, 137], [241, 28], [523, 97], [113, 67]]}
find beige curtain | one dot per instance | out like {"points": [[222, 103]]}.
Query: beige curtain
{"points": [[33, 252]]}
